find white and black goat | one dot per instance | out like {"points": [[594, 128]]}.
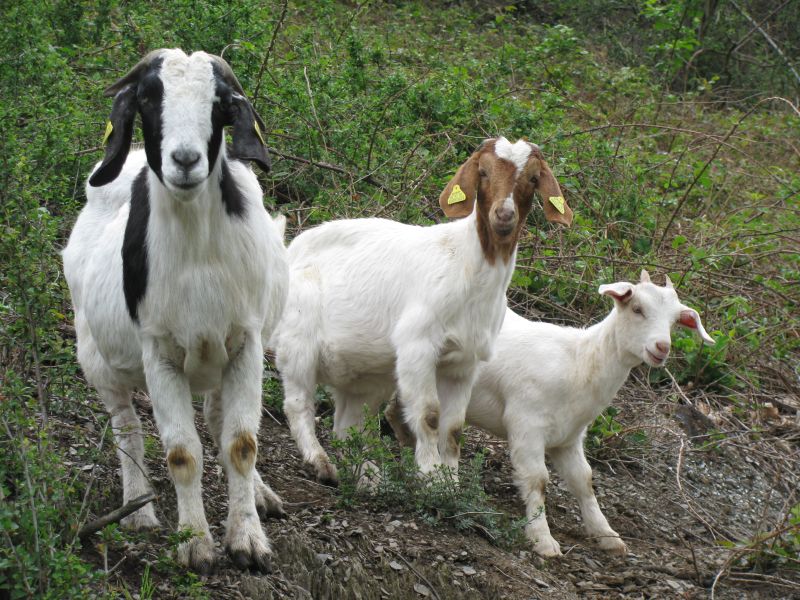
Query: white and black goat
{"points": [[545, 384], [178, 276], [375, 305]]}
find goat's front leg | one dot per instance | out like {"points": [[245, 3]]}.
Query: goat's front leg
{"points": [[530, 475], [571, 464], [245, 540], [394, 416], [416, 383], [268, 503], [174, 415], [454, 393]]}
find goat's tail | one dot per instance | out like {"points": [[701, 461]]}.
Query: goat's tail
{"points": [[280, 224]]}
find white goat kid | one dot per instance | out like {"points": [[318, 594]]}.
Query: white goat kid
{"points": [[178, 275], [546, 384], [376, 305]]}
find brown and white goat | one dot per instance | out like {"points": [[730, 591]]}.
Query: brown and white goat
{"points": [[377, 306]]}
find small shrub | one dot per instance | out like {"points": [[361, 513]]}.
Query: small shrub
{"points": [[437, 498]]}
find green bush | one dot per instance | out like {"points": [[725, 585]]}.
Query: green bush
{"points": [[373, 473], [662, 137]]}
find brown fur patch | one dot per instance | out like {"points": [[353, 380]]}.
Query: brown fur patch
{"points": [[502, 174], [403, 433], [454, 440], [181, 464], [243, 452], [432, 419]]}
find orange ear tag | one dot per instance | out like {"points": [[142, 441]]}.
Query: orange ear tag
{"points": [[107, 134], [457, 195], [558, 202]]}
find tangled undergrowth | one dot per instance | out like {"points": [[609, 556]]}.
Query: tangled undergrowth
{"points": [[672, 131]]}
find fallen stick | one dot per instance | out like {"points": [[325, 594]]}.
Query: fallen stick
{"points": [[115, 515]]}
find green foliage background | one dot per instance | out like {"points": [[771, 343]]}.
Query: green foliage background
{"points": [[672, 127]]}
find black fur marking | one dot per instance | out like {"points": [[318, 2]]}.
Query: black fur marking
{"points": [[123, 117], [150, 94], [220, 116], [134, 246], [232, 196]]}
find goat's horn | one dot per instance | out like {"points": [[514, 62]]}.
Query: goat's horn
{"points": [[134, 74], [645, 277], [668, 282]]}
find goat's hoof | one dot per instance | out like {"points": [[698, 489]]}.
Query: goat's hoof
{"points": [[613, 545], [247, 545], [141, 520], [270, 511], [198, 555], [268, 503], [547, 547], [326, 473]]}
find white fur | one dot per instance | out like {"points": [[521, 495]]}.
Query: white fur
{"points": [[518, 152], [216, 286], [376, 305], [545, 384]]}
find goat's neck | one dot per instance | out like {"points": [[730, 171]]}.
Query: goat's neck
{"points": [[601, 359], [477, 260], [494, 250], [192, 224]]}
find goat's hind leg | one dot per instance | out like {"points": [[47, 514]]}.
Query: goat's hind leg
{"points": [[352, 405], [530, 475], [129, 439], [268, 503], [125, 424], [571, 464], [300, 409]]}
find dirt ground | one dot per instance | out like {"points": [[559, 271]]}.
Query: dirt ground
{"points": [[670, 497]]}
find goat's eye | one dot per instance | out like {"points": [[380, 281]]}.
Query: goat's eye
{"points": [[534, 180], [482, 172], [637, 310]]}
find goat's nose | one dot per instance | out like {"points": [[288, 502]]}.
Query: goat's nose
{"points": [[662, 347], [505, 214], [185, 158]]}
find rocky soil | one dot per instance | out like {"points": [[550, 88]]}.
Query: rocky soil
{"points": [[674, 497]]}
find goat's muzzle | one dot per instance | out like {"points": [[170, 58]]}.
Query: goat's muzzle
{"points": [[504, 219]]}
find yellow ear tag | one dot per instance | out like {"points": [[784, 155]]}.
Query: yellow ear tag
{"points": [[258, 132], [457, 195], [558, 202], [109, 129]]}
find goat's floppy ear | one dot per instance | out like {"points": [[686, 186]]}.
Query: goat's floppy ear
{"points": [[691, 319], [622, 291], [553, 202], [458, 197], [118, 137], [248, 139], [133, 76]]}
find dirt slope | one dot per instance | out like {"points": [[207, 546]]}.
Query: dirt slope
{"points": [[668, 497]]}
